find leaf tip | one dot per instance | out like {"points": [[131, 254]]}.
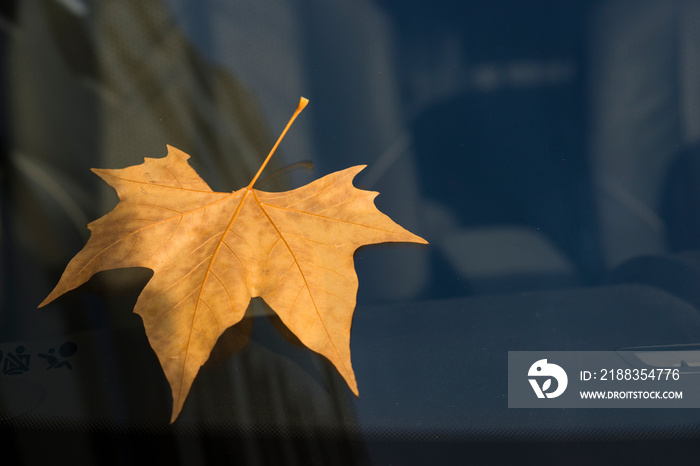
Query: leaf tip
{"points": [[177, 409], [175, 151], [354, 171], [98, 171], [50, 298]]}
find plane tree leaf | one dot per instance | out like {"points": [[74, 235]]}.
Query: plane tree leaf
{"points": [[212, 252]]}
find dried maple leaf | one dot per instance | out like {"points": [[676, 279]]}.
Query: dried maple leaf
{"points": [[212, 252]]}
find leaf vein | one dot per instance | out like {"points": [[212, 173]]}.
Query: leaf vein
{"points": [[306, 283]]}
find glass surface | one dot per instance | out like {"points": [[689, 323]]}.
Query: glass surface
{"points": [[548, 151]]}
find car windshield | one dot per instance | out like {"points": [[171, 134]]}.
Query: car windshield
{"points": [[547, 152]]}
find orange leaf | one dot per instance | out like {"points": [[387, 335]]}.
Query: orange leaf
{"points": [[212, 252]]}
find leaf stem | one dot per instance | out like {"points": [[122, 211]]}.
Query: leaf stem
{"points": [[302, 103]]}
